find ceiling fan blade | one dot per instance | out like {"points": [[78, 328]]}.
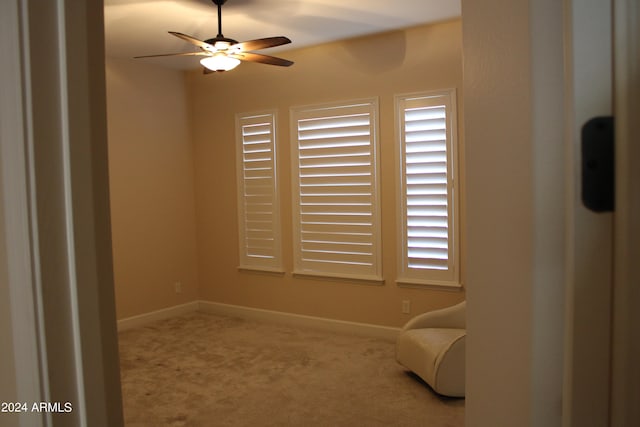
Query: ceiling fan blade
{"points": [[192, 40], [173, 54], [263, 59], [262, 43]]}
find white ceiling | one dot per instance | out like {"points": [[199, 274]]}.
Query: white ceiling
{"points": [[140, 27]]}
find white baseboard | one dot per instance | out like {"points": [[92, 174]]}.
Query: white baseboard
{"points": [[332, 325], [165, 313], [363, 329]]}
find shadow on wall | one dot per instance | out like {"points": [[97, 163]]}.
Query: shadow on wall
{"points": [[376, 54]]}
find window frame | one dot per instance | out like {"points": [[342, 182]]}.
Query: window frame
{"points": [[300, 267], [414, 277], [246, 261]]}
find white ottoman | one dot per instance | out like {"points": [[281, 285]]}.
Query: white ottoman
{"points": [[432, 345]]}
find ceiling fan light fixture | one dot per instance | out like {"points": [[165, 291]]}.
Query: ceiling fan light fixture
{"points": [[222, 45], [224, 54], [220, 62]]}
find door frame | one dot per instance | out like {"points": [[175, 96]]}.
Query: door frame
{"points": [[625, 372], [589, 256], [55, 195], [25, 306], [99, 326]]}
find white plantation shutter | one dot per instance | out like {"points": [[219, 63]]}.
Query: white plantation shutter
{"points": [[336, 219], [258, 201], [429, 229]]}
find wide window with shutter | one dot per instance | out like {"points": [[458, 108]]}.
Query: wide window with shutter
{"points": [[429, 200], [258, 193], [335, 190]]}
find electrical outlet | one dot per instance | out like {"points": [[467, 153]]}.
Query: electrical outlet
{"points": [[178, 287], [406, 306]]}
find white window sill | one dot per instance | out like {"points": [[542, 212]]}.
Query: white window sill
{"points": [[430, 284], [359, 279], [262, 270]]}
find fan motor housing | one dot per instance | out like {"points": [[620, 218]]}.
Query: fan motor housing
{"points": [[213, 41]]}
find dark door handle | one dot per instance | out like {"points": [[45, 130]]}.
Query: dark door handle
{"points": [[598, 164]]}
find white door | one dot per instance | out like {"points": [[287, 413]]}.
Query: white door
{"points": [[603, 323], [625, 372], [590, 252]]}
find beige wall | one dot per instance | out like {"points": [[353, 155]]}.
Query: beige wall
{"points": [[515, 167], [418, 59], [152, 195], [498, 126]]}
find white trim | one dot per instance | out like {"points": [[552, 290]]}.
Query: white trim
{"points": [[81, 405], [332, 325], [16, 167], [39, 213], [589, 257], [387, 333], [248, 258], [353, 278], [429, 284], [449, 277], [347, 263], [548, 211], [626, 298], [165, 313], [258, 270]]}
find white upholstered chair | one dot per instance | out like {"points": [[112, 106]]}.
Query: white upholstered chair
{"points": [[432, 345]]}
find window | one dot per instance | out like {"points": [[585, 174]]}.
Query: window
{"points": [[335, 191], [429, 201], [258, 195]]}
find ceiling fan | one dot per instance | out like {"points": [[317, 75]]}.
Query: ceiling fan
{"points": [[223, 54]]}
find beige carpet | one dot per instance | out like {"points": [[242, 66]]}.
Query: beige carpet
{"points": [[208, 370]]}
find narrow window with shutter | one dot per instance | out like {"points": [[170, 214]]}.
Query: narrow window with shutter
{"points": [[428, 205], [335, 189], [258, 193]]}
